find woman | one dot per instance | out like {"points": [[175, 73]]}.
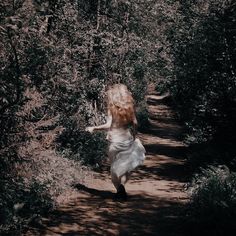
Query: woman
{"points": [[125, 150]]}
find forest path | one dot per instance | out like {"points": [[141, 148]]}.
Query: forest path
{"points": [[156, 189]]}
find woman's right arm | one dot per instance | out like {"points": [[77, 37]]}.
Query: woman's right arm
{"points": [[105, 126]]}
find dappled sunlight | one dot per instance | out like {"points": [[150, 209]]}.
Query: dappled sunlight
{"points": [[92, 214]]}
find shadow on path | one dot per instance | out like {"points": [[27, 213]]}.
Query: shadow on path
{"points": [[177, 152], [96, 214], [99, 193]]}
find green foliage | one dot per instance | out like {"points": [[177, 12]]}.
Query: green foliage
{"points": [[79, 145], [142, 118], [213, 197], [20, 205], [203, 48]]}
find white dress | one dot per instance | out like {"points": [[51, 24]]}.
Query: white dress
{"points": [[125, 153]]}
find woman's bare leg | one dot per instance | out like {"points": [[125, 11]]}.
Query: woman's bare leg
{"points": [[125, 178], [115, 180], [119, 182]]}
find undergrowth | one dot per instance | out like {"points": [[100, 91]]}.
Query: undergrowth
{"points": [[213, 200]]}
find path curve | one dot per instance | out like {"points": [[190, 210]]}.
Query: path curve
{"points": [[156, 190]]}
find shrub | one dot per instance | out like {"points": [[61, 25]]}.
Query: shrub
{"points": [[213, 196], [79, 145], [20, 205], [142, 117]]}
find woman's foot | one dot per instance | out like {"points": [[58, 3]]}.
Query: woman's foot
{"points": [[121, 193]]}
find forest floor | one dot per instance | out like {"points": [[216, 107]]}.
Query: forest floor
{"points": [[156, 191]]}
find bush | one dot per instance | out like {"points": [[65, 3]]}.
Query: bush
{"points": [[20, 205], [79, 145], [213, 197], [142, 118], [204, 83]]}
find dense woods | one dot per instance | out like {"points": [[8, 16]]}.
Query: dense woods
{"points": [[57, 58]]}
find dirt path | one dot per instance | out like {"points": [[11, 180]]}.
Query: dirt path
{"points": [[156, 190]]}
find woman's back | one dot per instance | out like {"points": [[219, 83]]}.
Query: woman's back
{"points": [[119, 135]]}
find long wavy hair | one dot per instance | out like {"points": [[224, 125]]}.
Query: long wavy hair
{"points": [[121, 105]]}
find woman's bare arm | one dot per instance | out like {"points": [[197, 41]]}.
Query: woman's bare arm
{"points": [[135, 122], [135, 126], [105, 126]]}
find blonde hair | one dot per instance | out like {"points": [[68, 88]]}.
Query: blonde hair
{"points": [[121, 105]]}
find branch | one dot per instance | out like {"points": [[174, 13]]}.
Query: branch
{"points": [[98, 14], [228, 54], [18, 75]]}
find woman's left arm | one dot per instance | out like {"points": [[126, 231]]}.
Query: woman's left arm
{"points": [[135, 126]]}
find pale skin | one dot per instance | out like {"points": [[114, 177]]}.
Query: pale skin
{"points": [[109, 124], [105, 126]]}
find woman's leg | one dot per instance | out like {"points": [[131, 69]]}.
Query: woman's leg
{"points": [[115, 180], [125, 178], [121, 193]]}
